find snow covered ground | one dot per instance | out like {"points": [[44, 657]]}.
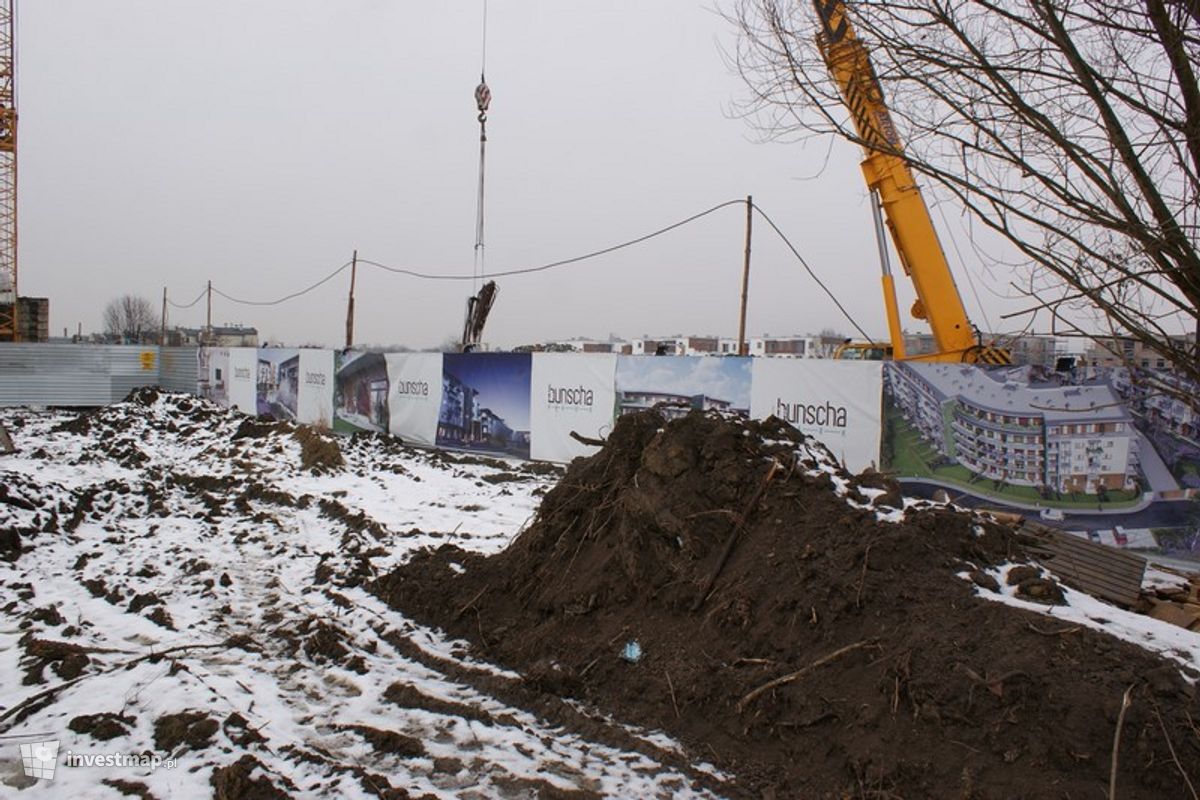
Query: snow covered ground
{"points": [[187, 608], [186, 605]]}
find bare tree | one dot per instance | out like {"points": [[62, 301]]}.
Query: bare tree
{"points": [[1070, 128], [129, 318]]}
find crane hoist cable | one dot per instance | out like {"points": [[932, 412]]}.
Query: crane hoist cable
{"points": [[481, 299], [483, 99]]}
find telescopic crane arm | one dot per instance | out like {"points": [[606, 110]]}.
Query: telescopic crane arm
{"points": [[892, 182]]}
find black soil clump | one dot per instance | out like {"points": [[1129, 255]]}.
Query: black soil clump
{"points": [[236, 782], [709, 577], [192, 728], [103, 726]]}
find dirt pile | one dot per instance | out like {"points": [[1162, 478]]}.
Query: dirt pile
{"points": [[723, 581]]}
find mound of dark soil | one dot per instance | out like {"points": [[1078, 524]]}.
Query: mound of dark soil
{"points": [[709, 578]]}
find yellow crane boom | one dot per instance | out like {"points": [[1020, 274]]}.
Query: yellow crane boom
{"points": [[891, 180]]}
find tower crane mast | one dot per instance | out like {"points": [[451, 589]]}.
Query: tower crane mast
{"points": [[10, 329]]}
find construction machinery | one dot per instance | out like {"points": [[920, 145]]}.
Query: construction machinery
{"points": [[478, 308], [894, 189]]}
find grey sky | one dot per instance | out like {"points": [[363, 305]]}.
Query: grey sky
{"points": [[258, 143]]}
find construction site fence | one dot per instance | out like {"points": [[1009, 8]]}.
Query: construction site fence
{"points": [[943, 421], [82, 375]]}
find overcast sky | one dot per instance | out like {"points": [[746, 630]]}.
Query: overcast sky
{"points": [[257, 144]]}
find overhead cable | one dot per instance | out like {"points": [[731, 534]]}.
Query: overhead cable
{"points": [[284, 299], [564, 262], [811, 274], [199, 297]]}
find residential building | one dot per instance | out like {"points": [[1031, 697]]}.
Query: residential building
{"points": [[220, 336], [1125, 351], [1036, 351], [1003, 428], [33, 317], [672, 405]]}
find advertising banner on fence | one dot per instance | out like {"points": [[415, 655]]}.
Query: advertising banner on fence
{"points": [[415, 396], [242, 388], [570, 392], [314, 404], [485, 403], [278, 383], [677, 385], [213, 369], [361, 392], [837, 402], [1102, 452]]}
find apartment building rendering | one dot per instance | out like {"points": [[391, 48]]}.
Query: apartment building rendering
{"points": [[1003, 427]]}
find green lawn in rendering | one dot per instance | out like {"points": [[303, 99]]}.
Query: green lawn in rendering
{"points": [[912, 457]]}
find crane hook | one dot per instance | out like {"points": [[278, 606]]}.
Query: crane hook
{"points": [[483, 98]]}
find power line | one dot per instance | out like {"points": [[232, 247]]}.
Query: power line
{"points": [[199, 297], [811, 274], [285, 298], [564, 262], [544, 267]]}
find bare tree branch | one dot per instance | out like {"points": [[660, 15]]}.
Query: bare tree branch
{"points": [[129, 319], [1070, 129]]}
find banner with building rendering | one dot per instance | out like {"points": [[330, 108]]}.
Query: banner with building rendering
{"points": [[485, 403], [836, 402], [212, 370], [360, 397], [679, 384], [314, 401], [571, 393], [278, 383], [415, 396], [1094, 450]]}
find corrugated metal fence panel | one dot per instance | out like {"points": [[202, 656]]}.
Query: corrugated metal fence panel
{"points": [[73, 374], [178, 369]]}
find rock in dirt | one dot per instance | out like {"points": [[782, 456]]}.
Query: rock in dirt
{"points": [[795, 640]]}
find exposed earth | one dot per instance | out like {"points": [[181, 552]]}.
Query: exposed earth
{"points": [[837, 652], [705, 608]]}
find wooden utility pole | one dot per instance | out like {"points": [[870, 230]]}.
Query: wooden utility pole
{"points": [[742, 348], [162, 335], [350, 305], [208, 319]]}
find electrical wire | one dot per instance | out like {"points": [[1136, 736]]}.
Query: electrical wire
{"points": [[811, 274], [966, 270], [199, 297], [553, 264], [284, 299]]}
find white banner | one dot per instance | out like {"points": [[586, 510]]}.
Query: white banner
{"points": [[243, 391], [840, 403], [214, 374], [414, 396], [570, 392], [315, 397]]}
